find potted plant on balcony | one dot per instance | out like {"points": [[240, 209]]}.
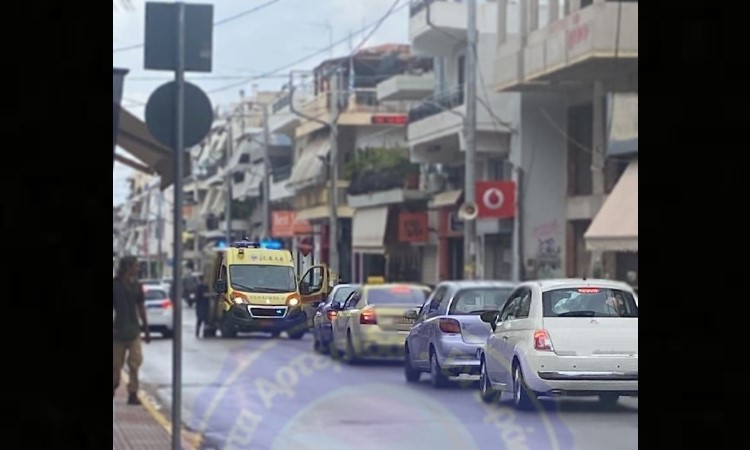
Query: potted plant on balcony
{"points": [[380, 169]]}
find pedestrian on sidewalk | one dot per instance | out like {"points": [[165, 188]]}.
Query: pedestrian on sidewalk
{"points": [[201, 306], [128, 303]]}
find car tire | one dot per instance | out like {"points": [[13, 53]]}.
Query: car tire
{"points": [[487, 393], [209, 332], [350, 354], [609, 400], [412, 375], [296, 334], [335, 352], [438, 378], [523, 398], [228, 330], [317, 345]]}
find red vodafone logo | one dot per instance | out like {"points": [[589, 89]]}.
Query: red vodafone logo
{"points": [[497, 199]]}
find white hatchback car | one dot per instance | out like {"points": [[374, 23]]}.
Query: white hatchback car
{"points": [[562, 337], [159, 310]]}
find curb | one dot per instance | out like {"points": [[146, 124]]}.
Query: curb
{"points": [[189, 438]]}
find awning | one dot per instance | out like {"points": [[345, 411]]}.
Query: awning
{"points": [[250, 184], [219, 202], [448, 198], [324, 212], [208, 201], [615, 227], [623, 137], [310, 165], [135, 138], [368, 230]]}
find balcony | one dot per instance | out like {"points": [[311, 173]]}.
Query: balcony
{"points": [[281, 119], [357, 109], [406, 87], [573, 51], [383, 177], [436, 26]]}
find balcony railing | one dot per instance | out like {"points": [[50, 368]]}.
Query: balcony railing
{"points": [[437, 104], [280, 103]]}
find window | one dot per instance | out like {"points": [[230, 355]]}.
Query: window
{"points": [[510, 309], [437, 299], [589, 302], [396, 295], [314, 279], [342, 293], [476, 301], [524, 306], [262, 278], [155, 294], [353, 300]]}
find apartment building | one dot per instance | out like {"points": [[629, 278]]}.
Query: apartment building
{"points": [[364, 122], [583, 53]]}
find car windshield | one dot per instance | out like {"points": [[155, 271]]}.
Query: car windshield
{"points": [[262, 278], [154, 294], [589, 302], [342, 293], [396, 295], [476, 301]]}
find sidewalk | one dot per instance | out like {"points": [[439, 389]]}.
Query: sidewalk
{"points": [[143, 427]]}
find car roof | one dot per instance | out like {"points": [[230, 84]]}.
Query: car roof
{"points": [[390, 285], [561, 283], [463, 284]]}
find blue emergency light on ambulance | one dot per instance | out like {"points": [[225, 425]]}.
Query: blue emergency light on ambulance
{"points": [[271, 244]]}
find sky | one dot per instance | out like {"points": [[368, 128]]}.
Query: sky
{"points": [[259, 42]]}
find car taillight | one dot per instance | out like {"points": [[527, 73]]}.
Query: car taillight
{"points": [[450, 326], [367, 316], [542, 341], [166, 304], [331, 315]]}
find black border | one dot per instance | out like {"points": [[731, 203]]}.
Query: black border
{"points": [[688, 64], [55, 206]]}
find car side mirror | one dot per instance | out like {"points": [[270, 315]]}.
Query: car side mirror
{"points": [[490, 317], [411, 314], [220, 286], [336, 306]]}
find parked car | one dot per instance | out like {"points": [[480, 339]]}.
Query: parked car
{"points": [[159, 310], [562, 337], [373, 321], [448, 329], [327, 310]]}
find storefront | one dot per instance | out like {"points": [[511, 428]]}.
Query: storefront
{"points": [[450, 234]]}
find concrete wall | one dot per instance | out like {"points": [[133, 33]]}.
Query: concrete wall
{"points": [[542, 155]]}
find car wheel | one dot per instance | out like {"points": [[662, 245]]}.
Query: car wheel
{"points": [[522, 397], [297, 333], [487, 393], [437, 376], [609, 400], [317, 345], [209, 332], [351, 354], [335, 352], [412, 374]]}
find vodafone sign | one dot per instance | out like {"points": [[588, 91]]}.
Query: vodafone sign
{"points": [[496, 199]]}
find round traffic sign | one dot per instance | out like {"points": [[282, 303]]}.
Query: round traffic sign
{"points": [[493, 198], [161, 118]]}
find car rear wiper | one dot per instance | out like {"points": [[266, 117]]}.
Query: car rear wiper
{"points": [[577, 314]]}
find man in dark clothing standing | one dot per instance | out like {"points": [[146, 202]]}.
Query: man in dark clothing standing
{"points": [[201, 305], [128, 303]]}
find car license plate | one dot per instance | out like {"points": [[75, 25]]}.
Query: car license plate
{"points": [[405, 321]]}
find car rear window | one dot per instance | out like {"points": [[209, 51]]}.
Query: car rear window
{"points": [[476, 301], [589, 301], [155, 294], [396, 295]]}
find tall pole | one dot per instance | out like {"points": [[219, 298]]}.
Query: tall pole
{"points": [[196, 202], [177, 224], [160, 235], [266, 174], [333, 228], [147, 234], [228, 181], [470, 230]]}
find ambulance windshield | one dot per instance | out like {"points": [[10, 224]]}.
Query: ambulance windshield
{"points": [[260, 278]]}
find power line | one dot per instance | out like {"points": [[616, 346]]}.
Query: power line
{"points": [[306, 58], [216, 24]]}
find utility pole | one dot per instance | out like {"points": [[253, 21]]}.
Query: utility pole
{"points": [[266, 175], [228, 180], [148, 226], [196, 202], [159, 235], [470, 230], [333, 258]]}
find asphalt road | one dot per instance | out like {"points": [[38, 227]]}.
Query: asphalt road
{"points": [[277, 394]]}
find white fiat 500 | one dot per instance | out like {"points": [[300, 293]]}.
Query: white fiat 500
{"points": [[562, 337]]}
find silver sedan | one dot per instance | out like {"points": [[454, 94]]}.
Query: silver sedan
{"points": [[448, 332]]}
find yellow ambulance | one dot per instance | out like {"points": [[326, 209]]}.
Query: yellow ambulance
{"points": [[257, 290]]}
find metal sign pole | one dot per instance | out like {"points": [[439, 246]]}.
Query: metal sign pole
{"points": [[177, 257]]}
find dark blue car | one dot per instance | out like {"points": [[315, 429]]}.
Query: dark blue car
{"points": [[322, 332]]}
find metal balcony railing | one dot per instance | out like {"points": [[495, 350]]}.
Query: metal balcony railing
{"points": [[437, 104], [280, 103]]}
